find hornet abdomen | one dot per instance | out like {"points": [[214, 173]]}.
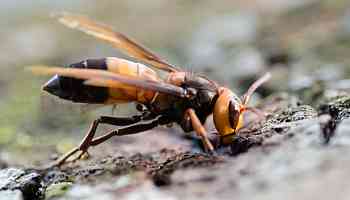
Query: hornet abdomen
{"points": [[127, 93], [75, 90]]}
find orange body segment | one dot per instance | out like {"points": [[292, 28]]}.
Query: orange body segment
{"points": [[176, 78], [126, 93]]}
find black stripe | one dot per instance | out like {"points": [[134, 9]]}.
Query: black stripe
{"points": [[97, 64], [82, 93]]}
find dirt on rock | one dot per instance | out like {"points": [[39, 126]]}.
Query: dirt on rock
{"points": [[288, 147]]}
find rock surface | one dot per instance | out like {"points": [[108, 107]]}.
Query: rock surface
{"points": [[283, 156]]}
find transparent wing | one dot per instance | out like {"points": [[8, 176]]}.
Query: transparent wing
{"points": [[104, 78], [118, 40]]}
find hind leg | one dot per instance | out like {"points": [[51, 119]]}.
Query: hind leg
{"points": [[86, 142]]}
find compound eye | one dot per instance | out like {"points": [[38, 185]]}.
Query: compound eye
{"points": [[234, 113]]}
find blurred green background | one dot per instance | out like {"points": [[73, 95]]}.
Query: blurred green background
{"points": [[300, 42]]}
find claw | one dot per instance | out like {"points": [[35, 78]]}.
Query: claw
{"points": [[59, 162], [84, 154], [212, 153]]}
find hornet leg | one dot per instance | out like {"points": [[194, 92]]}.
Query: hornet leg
{"points": [[86, 142], [200, 130], [129, 130], [84, 145]]}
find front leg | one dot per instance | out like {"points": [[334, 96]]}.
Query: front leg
{"points": [[199, 129]]}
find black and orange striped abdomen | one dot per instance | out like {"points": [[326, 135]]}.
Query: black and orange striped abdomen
{"points": [[75, 90]]}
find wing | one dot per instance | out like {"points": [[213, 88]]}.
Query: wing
{"points": [[117, 39], [104, 78]]}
